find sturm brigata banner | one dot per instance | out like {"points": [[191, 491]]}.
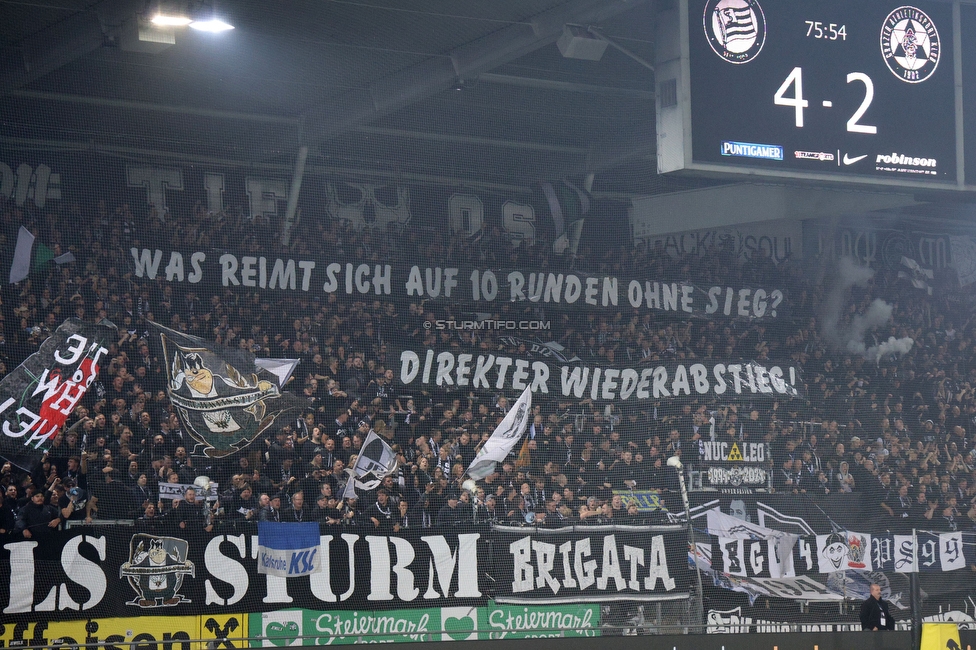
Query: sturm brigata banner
{"points": [[590, 564], [121, 571]]}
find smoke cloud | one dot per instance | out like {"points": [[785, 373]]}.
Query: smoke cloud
{"points": [[890, 347], [851, 337]]}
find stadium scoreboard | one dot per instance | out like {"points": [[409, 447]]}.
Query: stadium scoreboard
{"points": [[826, 90]]}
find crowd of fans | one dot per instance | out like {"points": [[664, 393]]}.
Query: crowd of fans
{"points": [[900, 430]]}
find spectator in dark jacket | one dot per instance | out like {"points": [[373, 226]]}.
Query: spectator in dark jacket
{"points": [[297, 512], [8, 520], [875, 612], [112, 499], [448, 515], [188, 514], [37, 519]]}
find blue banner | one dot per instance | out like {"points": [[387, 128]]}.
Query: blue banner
{"points": [[288, 550]]}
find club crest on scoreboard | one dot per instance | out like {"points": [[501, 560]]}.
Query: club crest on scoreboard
{"points": [[736, 29], [910, 44]]}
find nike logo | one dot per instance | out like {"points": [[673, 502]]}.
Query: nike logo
{"points": [[850, 161]]}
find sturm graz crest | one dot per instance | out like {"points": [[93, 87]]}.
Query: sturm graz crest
{"points": [[736, 29], [910, 44]]}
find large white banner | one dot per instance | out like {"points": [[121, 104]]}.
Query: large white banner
{"points": [[500, 373]]}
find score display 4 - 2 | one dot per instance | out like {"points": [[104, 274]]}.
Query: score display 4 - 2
{"points": [[824, 90], [795, 79]]}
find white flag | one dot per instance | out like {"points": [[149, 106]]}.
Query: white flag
{"points": [[280, 368], [905, 555], [21, 266], [503, 439], [918, 276], [375, 461], [950, 552]]}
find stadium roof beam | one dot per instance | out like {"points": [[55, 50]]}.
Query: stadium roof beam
{"points": [[183, 157], [63, 42], [436, 74], [107, 102], [565, 86], [291, 123], [467, 139]]}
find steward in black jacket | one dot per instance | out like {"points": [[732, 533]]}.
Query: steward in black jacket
{"points": [[875, 613]]}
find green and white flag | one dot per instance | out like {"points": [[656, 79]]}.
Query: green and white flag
{"points": [[31, 255]]}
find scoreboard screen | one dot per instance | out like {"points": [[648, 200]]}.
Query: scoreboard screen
{"points": [[836, 90]]}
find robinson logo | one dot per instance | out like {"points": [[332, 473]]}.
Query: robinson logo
{"points": [[736, 29], [901, 159], [910, 44], [896, 162]]}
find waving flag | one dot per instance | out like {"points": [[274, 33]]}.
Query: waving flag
{"points": [[223, 399], [918, 276], [29, 257], [375, 461], [568, 204], [503, 439], [39, 395]]}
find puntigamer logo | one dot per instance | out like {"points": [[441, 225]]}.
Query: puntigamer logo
{"points": [[896, 162], [752, 150]]}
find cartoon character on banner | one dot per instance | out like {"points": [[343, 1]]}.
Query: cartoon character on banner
{"points": [[155, 570], [856, 548], [727, 621], [966, 619], [220, 407], [835, 550]]}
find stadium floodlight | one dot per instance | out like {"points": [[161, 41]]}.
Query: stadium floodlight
{"points": [[212, 25], [167, 20]]}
